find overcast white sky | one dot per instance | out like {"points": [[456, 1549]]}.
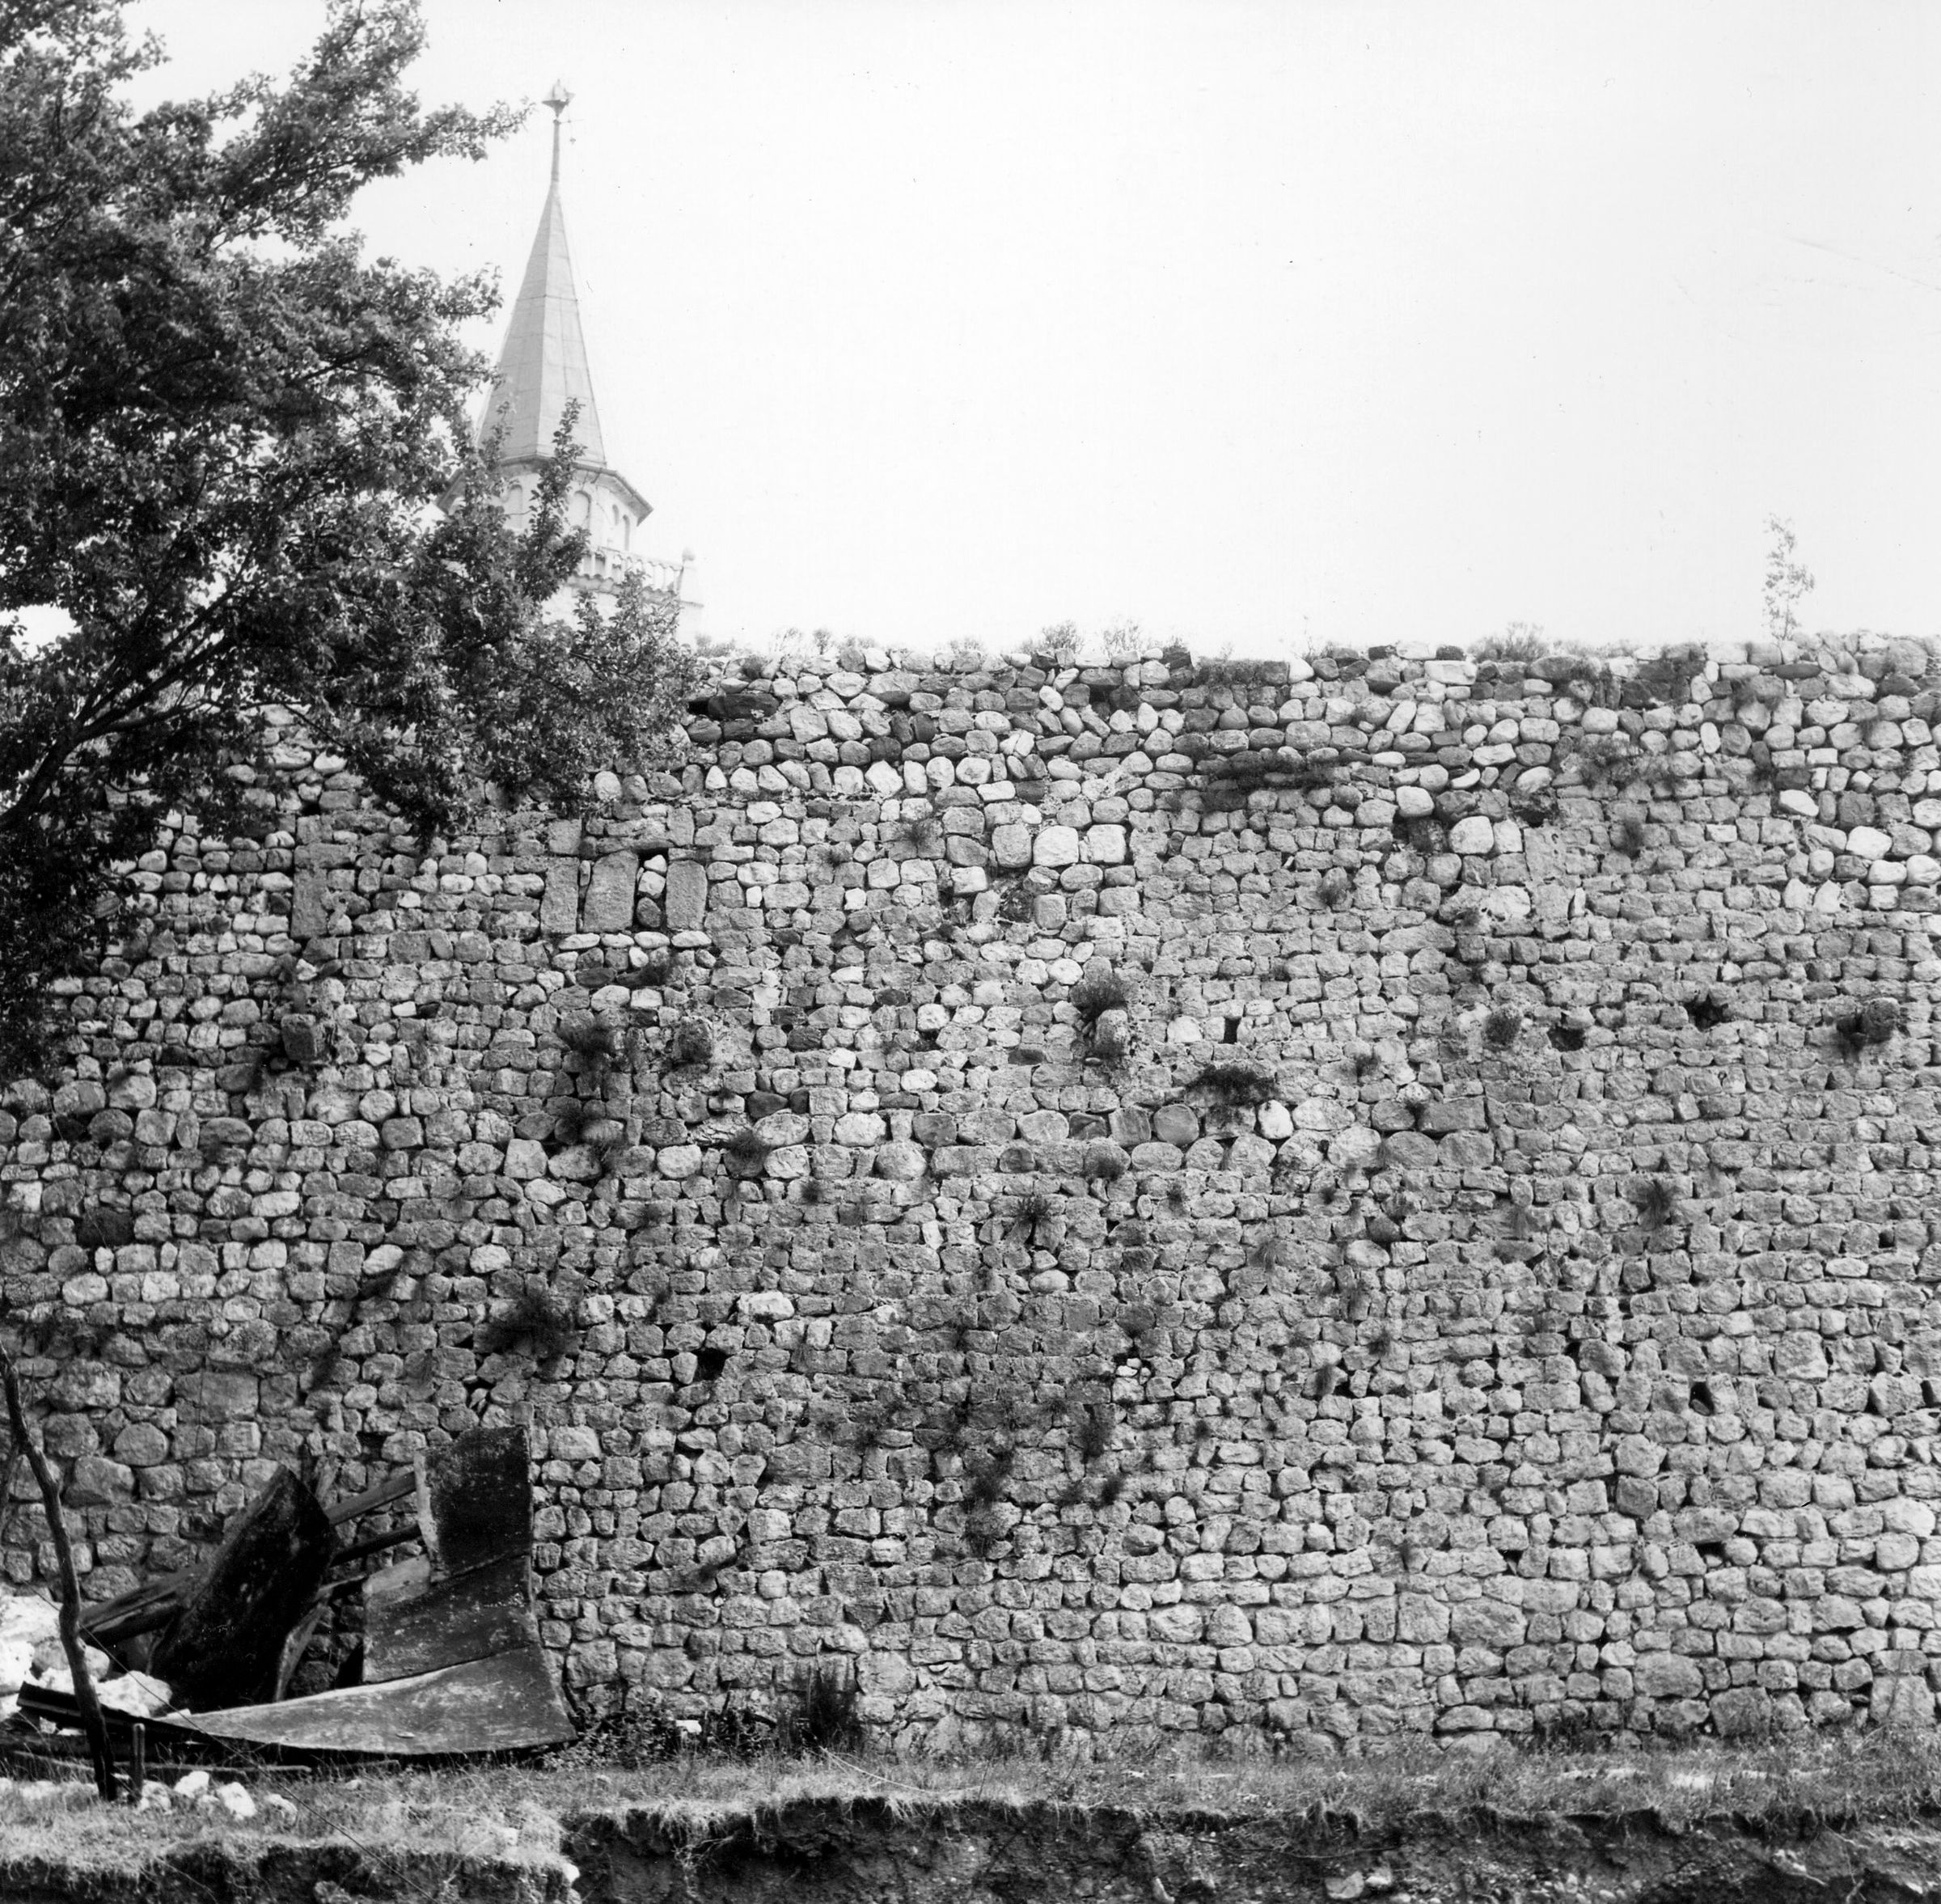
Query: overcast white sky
{"points": [[1252, 323]]}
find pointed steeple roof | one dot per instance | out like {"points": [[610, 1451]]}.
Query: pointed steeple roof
{"points": [[543, 366]]}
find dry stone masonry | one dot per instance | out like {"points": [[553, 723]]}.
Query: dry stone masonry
{"points": [[1319, 1198]]}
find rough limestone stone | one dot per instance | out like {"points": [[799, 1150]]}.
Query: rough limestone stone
{"points": [[1106, 845], [525, 1159], [559, 908], [608, 905], [309, 905], [1011, 846], [1056, 846], [1667, 1676], [1472, 836], [684, 900]]}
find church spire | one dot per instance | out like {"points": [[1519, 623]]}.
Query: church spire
{"points": [[543, 367]]}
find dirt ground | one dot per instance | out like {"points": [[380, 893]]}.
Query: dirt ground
{"points": [[1860, 1822]]}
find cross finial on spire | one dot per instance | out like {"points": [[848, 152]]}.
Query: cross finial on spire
{"points": [[558, 99]]}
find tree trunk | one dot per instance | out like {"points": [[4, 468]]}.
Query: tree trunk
{"points": [[99, 1750]]}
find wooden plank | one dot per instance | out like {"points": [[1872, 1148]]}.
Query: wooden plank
{"points": [[495, 1705], [154, 1603], [376, 1544], [296, 1642], [396, 1488], [141, 1609], [470, 1616], [224, 1646], [475, 1500]]}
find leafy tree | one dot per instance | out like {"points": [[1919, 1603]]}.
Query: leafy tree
{"points": [[1787, 581], [222, 430]]}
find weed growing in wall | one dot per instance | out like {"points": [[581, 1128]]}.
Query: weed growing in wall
{"points": [[1099, 992], [1236, 1086], [573, 1119], [920, 832], [606, 1147], [1656, 1199], [596, 1040], [823, 1716], [691, 1046], [1873, 1024], [1604, 760], [537, 1323], [1017, 902], [1032, 1209]]}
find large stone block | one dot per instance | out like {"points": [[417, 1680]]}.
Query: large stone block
{"points": [[1744, 1712], [1011, 846], [684, 903], [1056, 846], [608, 906], [560, 904], [1422, 1620], [220, 1395], [1487, 1622], [1667, 1676], [309, 904]]}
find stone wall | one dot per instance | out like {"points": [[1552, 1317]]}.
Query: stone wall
{"points": [[1383, 1195]]}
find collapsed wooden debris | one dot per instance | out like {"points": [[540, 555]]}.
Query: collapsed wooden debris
{"points": [[452, 1661]]}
